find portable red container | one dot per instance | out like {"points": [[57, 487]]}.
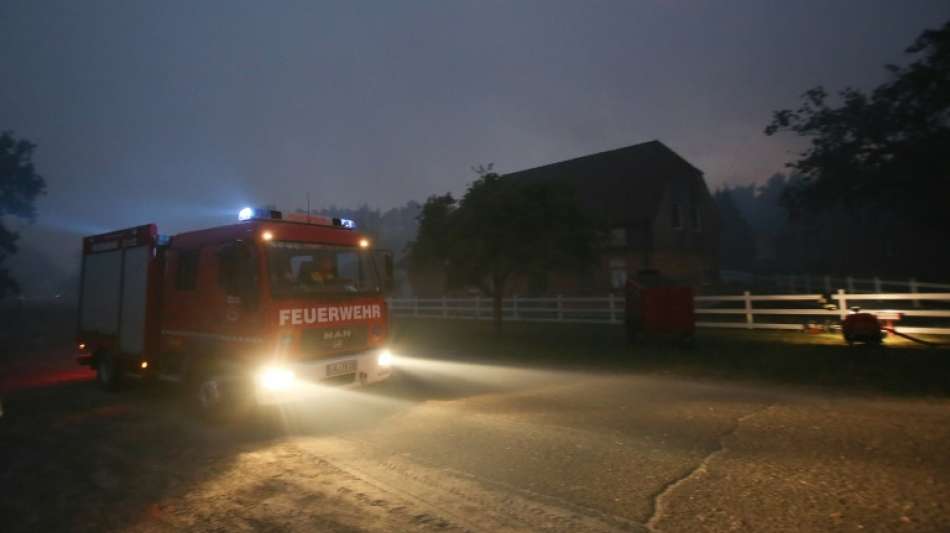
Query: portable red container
{"points": [[668, 311]]}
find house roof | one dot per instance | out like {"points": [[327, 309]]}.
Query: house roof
{"points": [[625, 185]]}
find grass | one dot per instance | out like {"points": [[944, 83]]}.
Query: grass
{"points": [[899, 367]]}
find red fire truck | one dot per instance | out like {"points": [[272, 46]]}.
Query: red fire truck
{"points": [[271, 305]]}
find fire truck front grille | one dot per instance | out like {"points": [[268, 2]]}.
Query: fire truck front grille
{"points": [[319, 342]]}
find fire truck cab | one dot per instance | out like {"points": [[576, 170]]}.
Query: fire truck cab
{"points": [[271, 305]]}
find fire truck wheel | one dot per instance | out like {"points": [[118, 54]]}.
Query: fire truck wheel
{"points": [[209, 396], [108, 374], [213, 401]]}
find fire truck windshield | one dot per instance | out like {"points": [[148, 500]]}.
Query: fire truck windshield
{"points": [[300, 269]]}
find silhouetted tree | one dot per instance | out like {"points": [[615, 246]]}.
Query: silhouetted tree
{"points": [[19, 187], [428, 254], [880, 155], [502, 228], [886, 148], [736, 237]]}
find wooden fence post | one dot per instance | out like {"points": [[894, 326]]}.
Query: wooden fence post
{"points": [[877, 285], [850, 281], [842, 304], [913, 289], [560, 308], [748, 310]]}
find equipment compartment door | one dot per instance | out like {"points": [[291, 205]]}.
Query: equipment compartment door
{"points": [[134, 292]]}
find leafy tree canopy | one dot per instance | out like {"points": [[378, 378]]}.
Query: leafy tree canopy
{"points": [[19, 187], [884, 149], [501, 228]]}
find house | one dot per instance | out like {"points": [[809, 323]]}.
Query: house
{"points": [[657, 207]]}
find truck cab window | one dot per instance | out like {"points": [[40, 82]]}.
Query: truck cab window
{"points": [[186, 273], [302, 269]]}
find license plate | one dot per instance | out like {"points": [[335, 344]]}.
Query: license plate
{"points": [[341, 367]]}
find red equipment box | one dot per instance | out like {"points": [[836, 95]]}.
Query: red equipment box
{"points": [[667, 311]]}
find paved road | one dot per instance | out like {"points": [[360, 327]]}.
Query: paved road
{"points": [[468, 447]]}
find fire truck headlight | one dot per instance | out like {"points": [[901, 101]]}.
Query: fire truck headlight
{"points": [[275, 378], [385, 358]]}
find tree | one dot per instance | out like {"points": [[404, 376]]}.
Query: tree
{"points": [[884, 150], [737, 239], [502, 228], [19, 187], [428, 253]]}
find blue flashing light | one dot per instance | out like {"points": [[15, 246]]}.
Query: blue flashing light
{"points": [[250, 213], [347, 223]]}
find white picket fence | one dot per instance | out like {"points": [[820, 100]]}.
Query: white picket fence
{"points": [[804, 283], [723, 311]]}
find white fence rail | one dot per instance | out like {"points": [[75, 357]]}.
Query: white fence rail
{"points": [[803, 283], [930, 312]]}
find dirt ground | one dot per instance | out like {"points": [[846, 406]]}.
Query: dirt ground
{"points": [[472, 446]]}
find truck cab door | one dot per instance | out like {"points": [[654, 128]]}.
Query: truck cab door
{"points": [[238, 281]]}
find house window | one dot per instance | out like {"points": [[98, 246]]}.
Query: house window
{"points": [[186, 274], [618, 273], [675, 217], [694, 219], [618, 237]]}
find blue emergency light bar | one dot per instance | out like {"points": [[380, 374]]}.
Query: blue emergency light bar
{"points": [[257, 213]]}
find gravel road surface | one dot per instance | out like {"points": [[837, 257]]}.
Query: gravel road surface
{"points": [[466, 447]]}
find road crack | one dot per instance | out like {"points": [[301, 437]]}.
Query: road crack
{"points": [[659, 500]]}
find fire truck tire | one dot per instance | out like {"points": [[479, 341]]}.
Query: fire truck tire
{"points": [[211, 399], [108, 372]]}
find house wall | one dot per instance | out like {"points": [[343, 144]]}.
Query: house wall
{"points": [[686, 254], [687, 251]]}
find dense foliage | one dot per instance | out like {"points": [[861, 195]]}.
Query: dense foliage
{"points": [[886, 148], [499, 230], [19, 187], [875, 178]]}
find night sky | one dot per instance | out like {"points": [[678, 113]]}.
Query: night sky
{"points": [[179, 113]]}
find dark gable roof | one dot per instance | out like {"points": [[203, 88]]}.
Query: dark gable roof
{"points": [[625, 185]]}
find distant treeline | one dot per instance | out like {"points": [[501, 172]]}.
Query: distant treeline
{"points": [[392, 229], [760, 233]]}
